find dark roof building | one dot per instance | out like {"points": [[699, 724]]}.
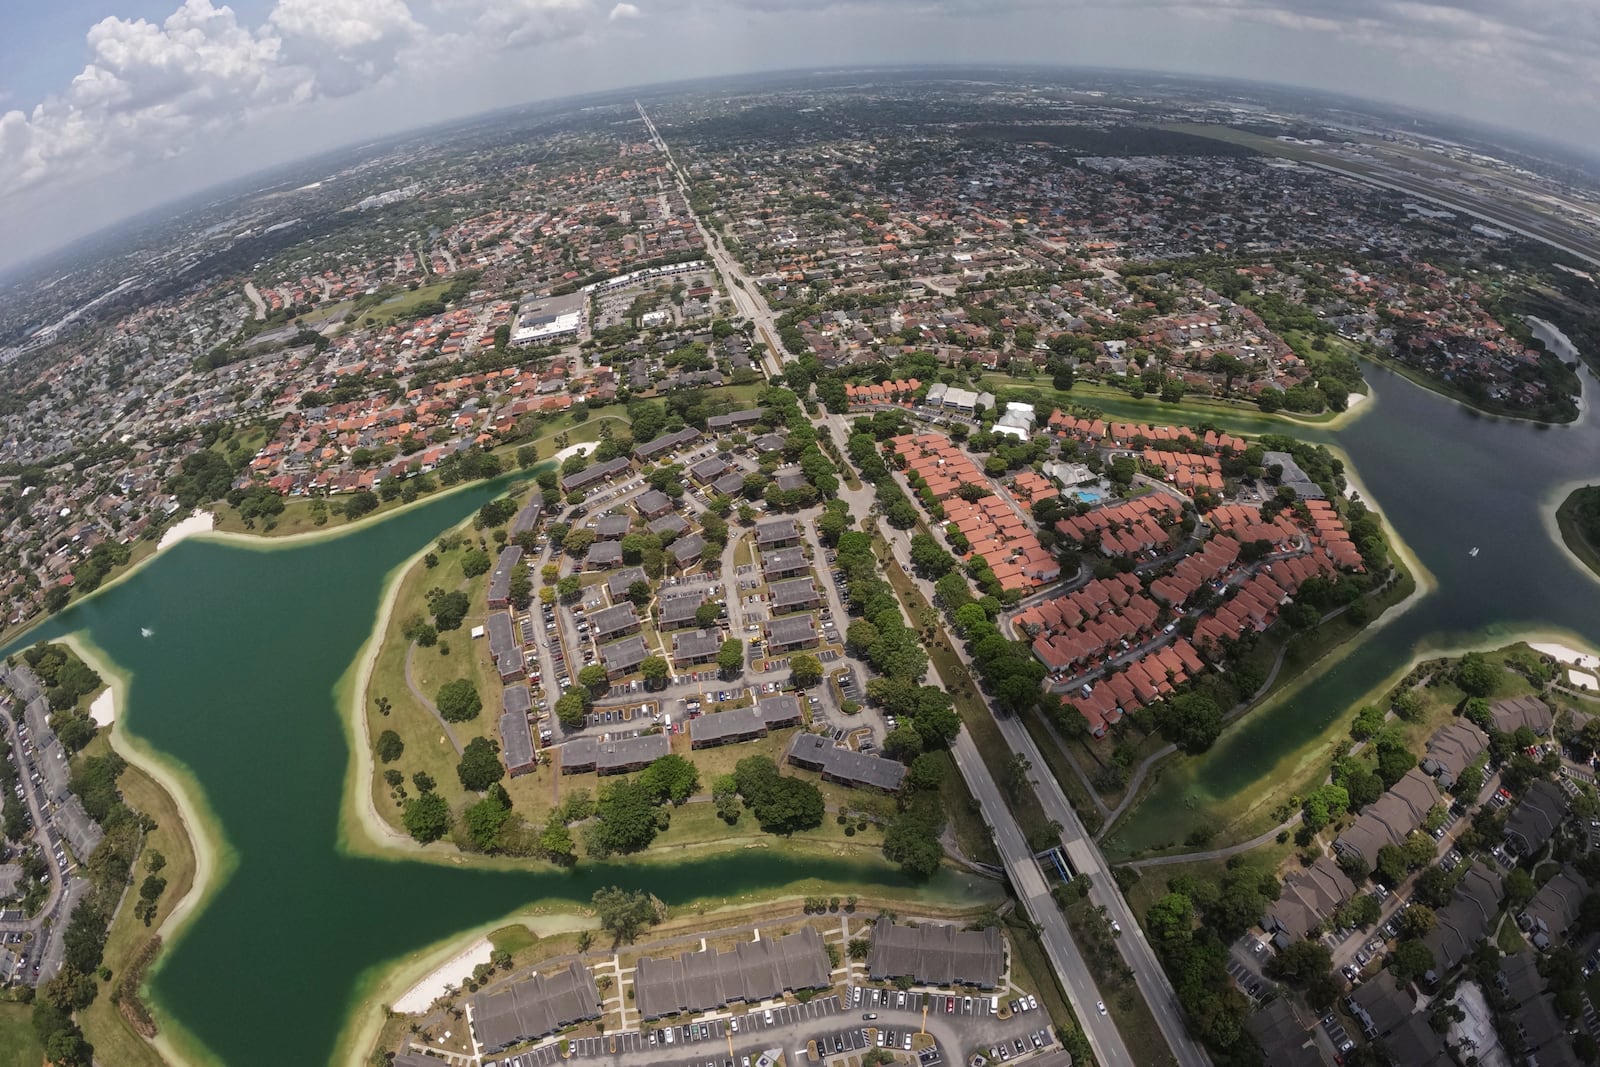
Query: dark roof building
{"points": [[796, 594], [1309, 899], [670, 525], [594, 474], [843, 765], [619, 584], [751, 972], [612, 527], [1554, 908], [603, 555], [657, 447], [709, 469], [697, 646], [1415, 1043], [1544, 1033], [733, 420], [504, 648], [1466, 920], [1285, 1041], [1452, 749], [529, 516], [777, 533], [936, 954], [678, 610], [745, 724], [688, 550], [652, 503], [516, 738], [608, 622], [533, 1007], [797, 632], [1510, 715], [730, 484], [1380, 1006], [1536, 817], [1390, 818], [621, 657], [500, 577], [583, 754], [783, 562]]}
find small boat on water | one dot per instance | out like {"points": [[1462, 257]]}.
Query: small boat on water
{"points": [[145, 631], [1474, 552]]}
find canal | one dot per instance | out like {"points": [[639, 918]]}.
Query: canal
{"points": [[236, 684], [1447, 480]]}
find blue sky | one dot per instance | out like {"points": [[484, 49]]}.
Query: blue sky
{"points": [[108, 107]]}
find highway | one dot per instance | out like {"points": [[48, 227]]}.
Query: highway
{"points": [[1027, 880]]}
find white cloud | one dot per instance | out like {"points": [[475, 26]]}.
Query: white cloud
{"points": [[347, 44], [504, 24], [624, 11]]}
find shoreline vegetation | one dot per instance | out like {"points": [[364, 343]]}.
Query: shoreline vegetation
{"points": [[1577, 525]]}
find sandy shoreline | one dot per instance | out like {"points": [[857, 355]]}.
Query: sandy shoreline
{"points": [[453, 973], [574, 450], [198, 523], [104, 709]]}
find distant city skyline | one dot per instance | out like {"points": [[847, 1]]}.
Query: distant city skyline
{"points": [[110, 107]]}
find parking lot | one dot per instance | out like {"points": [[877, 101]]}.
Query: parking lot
{"points": [[860, 1019]]}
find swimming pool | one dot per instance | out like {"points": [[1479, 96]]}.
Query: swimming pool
{"points": [[1089, 496]]}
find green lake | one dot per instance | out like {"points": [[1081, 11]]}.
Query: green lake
{"points": [[236, 684]]}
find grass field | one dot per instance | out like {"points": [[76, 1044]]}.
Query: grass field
{"points": [[401, 305], [113, 1038], [18, 1045], [1189, 410]]}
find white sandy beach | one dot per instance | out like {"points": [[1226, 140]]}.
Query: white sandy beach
{"points": [[453, 972], [572, 450], [1587, 661], [199, 522], [104, 709]]}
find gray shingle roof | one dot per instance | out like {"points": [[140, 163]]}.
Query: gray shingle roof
{"points": [[535, 1006], [936, 954], [752, 971], [845, 765]]}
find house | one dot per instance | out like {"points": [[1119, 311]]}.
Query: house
{"points": [[936, 954], [624, 656], [603, 555], [1380, 1005], [516, 738], [785, 634], [1554, 908], [652, 503], [1308, 900], [1508, 716], [709, 470], [1452, 749], [777, 533], [1415, 1043], [584, 754], [1285, 1041], [1536, 817], [593, 475], [500, 578], [796, 594], [611, 527], [534, 1007], [745, 724], [687, 551], [667, 443], [1466, 920], [699, 646], [679, 610], [735, 420], [1544, 1034], [1390, 818], [843, 765], [610, 622], [619, 584], [783, 562], [504, 648], [751, 972], [670, 525]]}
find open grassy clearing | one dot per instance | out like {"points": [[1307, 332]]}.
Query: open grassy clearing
{"points": [[1191, 410], [18, 1045], [401, 306]]}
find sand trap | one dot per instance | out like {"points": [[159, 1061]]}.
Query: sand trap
{"points": [[1567, 654], [199, 522], [104, 709], [453, 972]]}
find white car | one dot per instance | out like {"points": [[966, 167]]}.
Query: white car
{"points": [[1100, 1006]]}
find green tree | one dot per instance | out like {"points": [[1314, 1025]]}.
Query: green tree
{"points": [[805, 670], [1191, 721], [458, 701], [480, 765], [426, 817], [670, 778], [730, 657], [1477, 676], [571, 709], [626, 913], [655, 671], [389, 747], [484, 820], [594, 678], [475, 562]]}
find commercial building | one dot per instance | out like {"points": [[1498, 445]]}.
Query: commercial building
{"points": [[542, 320], [936, 954]]}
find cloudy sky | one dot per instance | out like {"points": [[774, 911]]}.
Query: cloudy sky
{"points": [[108, 107]]}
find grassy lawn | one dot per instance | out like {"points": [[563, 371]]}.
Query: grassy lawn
{"points": [[1572, 534], [1189, 410], [1508, 939], [966, 817], [114, 1039], [1056, 763], [18, 1045], [402, 305], [512, 939]]}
